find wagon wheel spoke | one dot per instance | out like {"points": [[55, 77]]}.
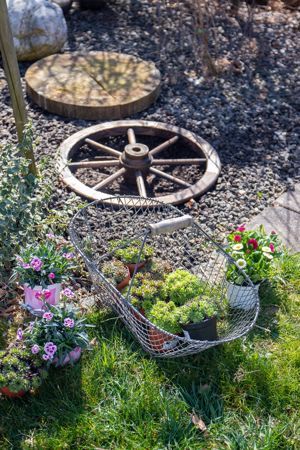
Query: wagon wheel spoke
{"points": [[169, 177], [163, 146], [94, 164], [131, 136], [104, 148], [109, 179], [178, 162], [140, 183]]}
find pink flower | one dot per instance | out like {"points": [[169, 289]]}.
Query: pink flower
{"points": [[45, 357], [19, 334], [50, 236], [272, 248], [35, 349], [47, 294], [51, 276], [68, 293], [69, 323], [273, 232], [241, 228], [26, 266], [68, 255], [50, 348], [47, 315], [253, 242], [36, 264], [237, 238], [39, 295]]}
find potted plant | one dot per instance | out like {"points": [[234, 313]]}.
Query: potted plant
{"points": [[145, 291], [117, 273], [181, 286], [254, 251], [20, 370], [128, 251], [198, 319], [58, 336], [41, 268], [165, 316]]}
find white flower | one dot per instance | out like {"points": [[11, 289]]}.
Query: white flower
{"points": [[268, 255], [241, 263], [266, 250], [237, 247]]}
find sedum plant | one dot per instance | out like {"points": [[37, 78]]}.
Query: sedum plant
{"points": [[165, 316], [129, 250], [20, 369], [114, 271], [196, 311], [146, 290], [181, 286]]}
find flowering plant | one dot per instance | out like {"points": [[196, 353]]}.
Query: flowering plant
{"points": [[45, 263], [56, 333], [254, 252]]}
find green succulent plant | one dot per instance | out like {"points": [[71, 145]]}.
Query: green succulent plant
{"points": [[165, 316], [158, 268], [146, 291], [129, 250], [196, 311], [20, 370], [114, 271], [182, 286]]}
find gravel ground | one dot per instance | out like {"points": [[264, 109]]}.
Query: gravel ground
{"points": [[249, 113]]}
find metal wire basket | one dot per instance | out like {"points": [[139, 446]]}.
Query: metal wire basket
{"points": [[176, 239]]}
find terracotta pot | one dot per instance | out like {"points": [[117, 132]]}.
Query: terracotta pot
{"points": [[243, 297], [202, 331], [34, 303], [138, 316], [71, 357], [124, 283], [131, 267], [160, 341], [5, 390]]}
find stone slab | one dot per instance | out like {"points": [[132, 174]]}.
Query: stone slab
{"points": [[282, 220], [290, 199]]}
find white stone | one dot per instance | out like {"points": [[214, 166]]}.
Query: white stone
{"points": [[38, 27]]}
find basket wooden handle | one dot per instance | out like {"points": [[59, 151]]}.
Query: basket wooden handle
{"points": [[170, 225]]}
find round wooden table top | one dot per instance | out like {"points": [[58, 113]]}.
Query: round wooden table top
{"points": [[93, 86]]}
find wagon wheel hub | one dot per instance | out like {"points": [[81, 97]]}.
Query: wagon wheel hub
{"points": [[136, 161]]}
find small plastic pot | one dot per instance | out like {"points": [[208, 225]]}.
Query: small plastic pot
{"points": [[160, 341], [132, 266], [6, 391], [124, 283], [72, 357], [202, 331]]}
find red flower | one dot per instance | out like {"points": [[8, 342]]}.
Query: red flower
{"points": [[237, 238], [273, 232], [241, 228], [254, 243], [272, 248]]}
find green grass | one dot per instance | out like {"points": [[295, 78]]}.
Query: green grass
{"points": [[247, 392]]}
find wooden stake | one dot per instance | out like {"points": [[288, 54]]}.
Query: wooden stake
{"points": [[11, 70]]}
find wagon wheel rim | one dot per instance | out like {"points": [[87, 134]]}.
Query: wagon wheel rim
{"points": [[137, 160]]}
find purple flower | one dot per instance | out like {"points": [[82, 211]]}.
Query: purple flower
{"points": [[68, 293], [68, 255], [26, 266], [35, 349], [47, 315], [50, 348], [51, 276], [45, 357], [19, 334], [39, 295], [69, 323], [47, 294], [50, 236], [31, 325], [36, 264]]}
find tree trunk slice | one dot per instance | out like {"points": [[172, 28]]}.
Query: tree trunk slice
{"points": [[93, 86], [135, 129]]}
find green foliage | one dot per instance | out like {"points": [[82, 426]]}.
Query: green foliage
{"points": [[114, 271], [129, 250], [20, 369], [196, 311], [23, 202], [181, 286], [61, 326], [165, 316], [37, 261], [146, 290], [254, 252]]}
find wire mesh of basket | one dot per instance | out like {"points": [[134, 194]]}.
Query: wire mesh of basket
{"points": [[178, 241]]}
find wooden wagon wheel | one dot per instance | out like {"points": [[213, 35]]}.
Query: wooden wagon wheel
{"points": [[137, 162]]}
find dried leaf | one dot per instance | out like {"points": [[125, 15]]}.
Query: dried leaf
{"points": [[198, 422]]}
